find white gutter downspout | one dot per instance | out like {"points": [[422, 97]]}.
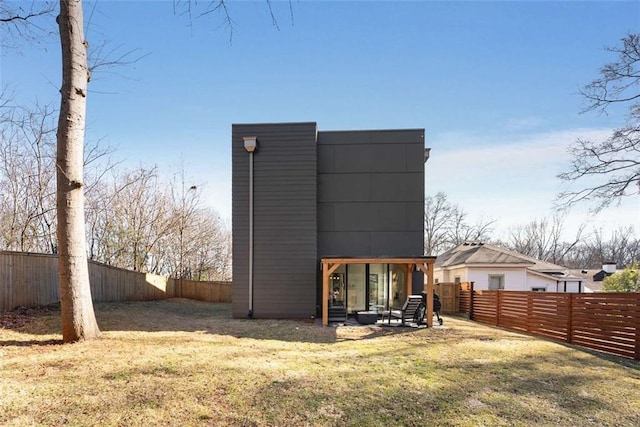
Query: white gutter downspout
{"points": [[250, 144]]}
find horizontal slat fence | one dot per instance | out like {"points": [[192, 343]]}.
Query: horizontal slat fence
{"points": [[485, 307], [29, 280], [608, 322], [464, 303]]}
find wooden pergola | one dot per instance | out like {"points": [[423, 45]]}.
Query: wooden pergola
{"points": [[423, 264]]}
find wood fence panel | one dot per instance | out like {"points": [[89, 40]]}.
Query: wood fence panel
{"points": [[485, 307], [465, 302], [32, 279], [548, 314], [204, 291], [449, 294], [513, 310], [608, 322], [27, 280]]}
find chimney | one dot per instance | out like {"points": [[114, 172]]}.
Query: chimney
{"points": [[609, 267]]}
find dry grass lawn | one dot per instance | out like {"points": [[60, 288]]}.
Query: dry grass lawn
{"points": [[181, 362]]}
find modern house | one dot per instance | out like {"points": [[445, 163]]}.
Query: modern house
{"points": [[493, 267], [326, 223]]}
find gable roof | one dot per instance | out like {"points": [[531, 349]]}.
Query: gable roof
{"points": [[476, 253], [470, 253]]}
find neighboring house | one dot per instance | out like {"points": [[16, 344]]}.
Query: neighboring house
{"points": [[594, 278], [335, 212], [493, 267]]}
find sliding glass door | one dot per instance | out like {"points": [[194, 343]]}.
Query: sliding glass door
{"points": [[357, 288], [368, 287], [338, 287], [378, 287]]}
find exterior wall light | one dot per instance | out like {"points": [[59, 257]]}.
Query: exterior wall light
{"points": [[250, 143]]}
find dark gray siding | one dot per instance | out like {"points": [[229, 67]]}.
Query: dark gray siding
{"points": [[285, 220], [371, 193]]}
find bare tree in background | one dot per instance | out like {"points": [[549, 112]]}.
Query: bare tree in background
{"points": [[437, 217], [463, 231], [622, 248], [207, 247], [446, 225], [609, 170], [137, 221], [543, 239], [19, 21], [27, 196]]}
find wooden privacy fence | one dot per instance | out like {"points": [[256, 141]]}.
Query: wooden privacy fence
{"points": [[608, 322], [450, 294], [30, 280], [204, 291], [466, 296]]}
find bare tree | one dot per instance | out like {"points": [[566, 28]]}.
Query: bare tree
{"points": [[462, 231], [27, 200], [207, 250], [543, 239], [19, 21], [446, 225], [126, 218], [437, 217], [622, 247], [78, 318], [137, 221], [609, 170], [27, 177]]}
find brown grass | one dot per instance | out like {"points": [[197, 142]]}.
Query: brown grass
{"points": [[181, 362]]}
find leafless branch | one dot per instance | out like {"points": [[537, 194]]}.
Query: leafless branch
{"points": [[609, 170], [25, 21]]}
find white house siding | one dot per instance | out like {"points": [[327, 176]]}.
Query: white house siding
{"points": [[449, 276], [572, 286], [535, 281], [515, 279]]}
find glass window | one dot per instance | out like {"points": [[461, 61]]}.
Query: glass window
{"points": [[496, 281]]}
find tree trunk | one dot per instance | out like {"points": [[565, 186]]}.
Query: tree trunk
{"points": [[78, 318]]}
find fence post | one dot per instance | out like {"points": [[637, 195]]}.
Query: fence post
{"points": [[471, 301], [498, 301], [529, 310], [570, 319], [637, 327]]}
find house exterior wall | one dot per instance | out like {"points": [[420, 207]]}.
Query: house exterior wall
{"points": [[449, 275], [515, 279], [535, 281], [285, 220], [371, 193], [555, 285]]}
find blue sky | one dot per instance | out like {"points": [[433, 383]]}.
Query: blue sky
{"points": [[493, 83]]}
